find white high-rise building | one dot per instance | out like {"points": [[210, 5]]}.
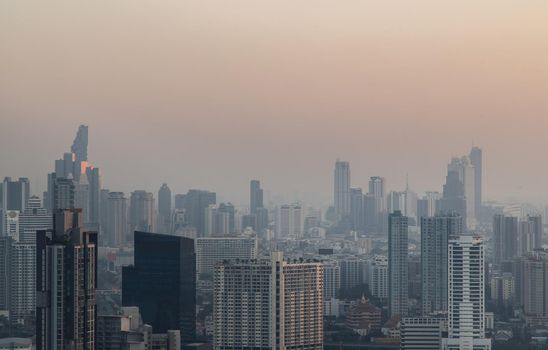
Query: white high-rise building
{"points": [[466, 319], [342, 189], [213, 250], [268, 304], [289, 221], [378, 277]]}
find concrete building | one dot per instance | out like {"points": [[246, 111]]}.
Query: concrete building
{"points": [[435, 234], [398, 261], [66, 306], [505, 236], [116, 231], [378, 277], [341, 188], [421, 333], [142, 212], [213, 250], [466, 317], [268, 304], [289, 221], [164, 209], [332, 279]]}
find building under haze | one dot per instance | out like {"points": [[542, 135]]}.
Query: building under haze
{"points": [[476, 158], [342, 189], [505, 237], [268, 304], [435, 234], [255, 196], [162, 283], [194, 203], [398, 262], [142, 211], [164, 209], [116, 230], [289, 221], [66, 282]]}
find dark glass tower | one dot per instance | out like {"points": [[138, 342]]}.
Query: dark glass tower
{"points": [[255, 196], [162, 283]]}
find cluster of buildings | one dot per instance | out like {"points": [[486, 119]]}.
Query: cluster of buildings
{"points": [[183, 271]]}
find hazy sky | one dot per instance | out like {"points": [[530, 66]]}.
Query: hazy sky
{"points": [[209, 94]]}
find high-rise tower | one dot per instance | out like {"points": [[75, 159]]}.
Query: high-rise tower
{"points": [[66, 282], [398, 274], [342, 189]]}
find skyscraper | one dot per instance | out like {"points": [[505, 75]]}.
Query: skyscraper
{"points": [[357, 210], [532, 285], [453, 199], [162, 283], [268, 304], [255, 196], [116, 220], [94, 196], [141, 211], [66, 281], [164, 209], [398, 274], [466, 173], [477, 161], [195, 202], [505, 236], [428, 205], [435, 234], [80, 145], [466, 295], [342, 189], [219, 220], [289, 221], [15, 194]]}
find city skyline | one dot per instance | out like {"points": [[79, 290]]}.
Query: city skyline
{"points": [[328, 83]]}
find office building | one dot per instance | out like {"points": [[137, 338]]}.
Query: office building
{"points": [[212, 250], [14, 194], [164, 209], [142, 211], [421, 333], [289, 221], [332, 279], [427, 206], [466, 316], [531, 285], [195, 202], [453, 199], [162, 283], [341, 189], [80, 145], [476, 159], [505, 237], [398, 261], [220, 220], [66, 307], [357, 209], [116, 231], [466, 172], [352, 272], [377, 277], [435, 234], [255, 196], [268, 304]]}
